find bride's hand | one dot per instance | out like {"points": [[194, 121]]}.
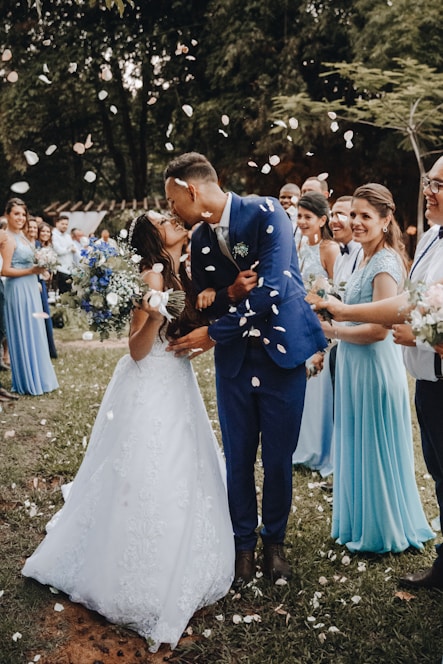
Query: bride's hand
{"points": [[150, 305], [335, 307]]}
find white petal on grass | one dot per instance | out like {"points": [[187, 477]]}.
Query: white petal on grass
{"points": [[255, 382], [220, 617], [323, 581], [207, 633], [90, 176], [12, 77], [356, 599], [346, 560], [20, 187], [236, 619], [187, 110], [31, 157], [281, 582], [16, 636], [50, 150], [59, 607]]}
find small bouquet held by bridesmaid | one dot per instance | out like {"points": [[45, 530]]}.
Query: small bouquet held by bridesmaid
{"points": [[322, 287], [107, 285], [46, 257], [426, 317]]}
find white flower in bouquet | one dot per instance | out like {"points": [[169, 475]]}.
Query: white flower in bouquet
{"points": [[46, 257], [426, 318], [107, 284]]}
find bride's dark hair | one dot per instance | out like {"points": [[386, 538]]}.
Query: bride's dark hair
{"points": [[144, 237]]}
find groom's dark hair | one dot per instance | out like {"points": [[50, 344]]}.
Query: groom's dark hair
{"points": [[191, 165]]}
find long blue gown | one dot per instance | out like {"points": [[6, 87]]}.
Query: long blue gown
{"points": [[31, 366], [376, 504]]}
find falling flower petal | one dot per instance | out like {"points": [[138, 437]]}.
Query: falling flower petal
{"points": [[6, 55], [274, 160], [287, 273], [88, 142], [223, 133], [266, 341], [275, 309], [332, 115], [181, 183], [349, 145], [113, 109], [79, 148], [45, 79], [225, 120], [188, 110], [72, 67], [110, 415], [210, 268], [255, 382], [90, 176], [270, 204], [323, 176], [157, 267], [273, 293], [169, 147], [281, 349], [106, 73], [50, 150], [102, 94], [20, 187], [12, 77], [270, 229], [348, 135], [293, 123], [265, 169], [280, 123], [252, 164], [206, 250], [334, 126], [152, 100], [279, 328], [309, 154], [243, 320], [40, 314]]}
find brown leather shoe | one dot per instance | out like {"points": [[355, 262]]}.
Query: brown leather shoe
{"points": [[8, 396], [429, 578], [244, 568], [275, 564]]}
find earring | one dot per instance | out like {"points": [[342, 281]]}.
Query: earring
{"points": [[385, 229]]}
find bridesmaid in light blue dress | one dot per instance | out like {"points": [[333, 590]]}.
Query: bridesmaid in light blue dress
{"points": [[376, 505], [31, 366]]}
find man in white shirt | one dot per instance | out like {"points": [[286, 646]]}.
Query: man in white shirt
{"points": [[351, 252], [288, 197], [66, 252]]}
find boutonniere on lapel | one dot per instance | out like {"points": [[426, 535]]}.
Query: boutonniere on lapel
{"points": [[240, 249]]}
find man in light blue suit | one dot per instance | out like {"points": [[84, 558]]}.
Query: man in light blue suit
{"points": [[263, 331]]}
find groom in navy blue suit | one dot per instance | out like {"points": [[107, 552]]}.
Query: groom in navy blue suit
{"points": [[263, 331]]}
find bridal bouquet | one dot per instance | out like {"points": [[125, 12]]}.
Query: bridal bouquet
{"points": [[427, 315], [46, 257], [107, 285]]}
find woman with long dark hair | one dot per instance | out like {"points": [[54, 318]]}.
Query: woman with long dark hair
{"points": [[145, 536], [32, 370]]}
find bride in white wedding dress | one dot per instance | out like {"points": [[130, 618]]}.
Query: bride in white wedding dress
{"points": [[145, 536]]}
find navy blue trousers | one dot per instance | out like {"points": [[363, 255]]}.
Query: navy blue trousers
{"points": [[429, 406], [264, 403]]}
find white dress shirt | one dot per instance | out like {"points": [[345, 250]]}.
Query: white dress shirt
{"points": [[63, 244], [346, 264], [428, 268]]}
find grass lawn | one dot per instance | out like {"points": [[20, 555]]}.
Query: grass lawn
{"points": [[339, 607]]}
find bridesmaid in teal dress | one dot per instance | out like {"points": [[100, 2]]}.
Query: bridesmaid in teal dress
{"points": [[31, 366], [376, 504]]}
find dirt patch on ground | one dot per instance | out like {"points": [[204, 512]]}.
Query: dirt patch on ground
{"points": [[96, 343], [84, 637]]}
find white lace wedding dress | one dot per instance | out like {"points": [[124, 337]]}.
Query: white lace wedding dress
{"points": [[145, 536]]}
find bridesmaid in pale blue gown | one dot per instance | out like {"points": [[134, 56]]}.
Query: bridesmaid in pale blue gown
{"points": [[31, 366], [317, 257], [376, 504]]}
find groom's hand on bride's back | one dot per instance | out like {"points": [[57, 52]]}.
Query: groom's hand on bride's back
{"points": [[195, 343]]}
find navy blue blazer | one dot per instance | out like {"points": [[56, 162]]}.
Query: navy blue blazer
{"points": [[260, 235]]}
